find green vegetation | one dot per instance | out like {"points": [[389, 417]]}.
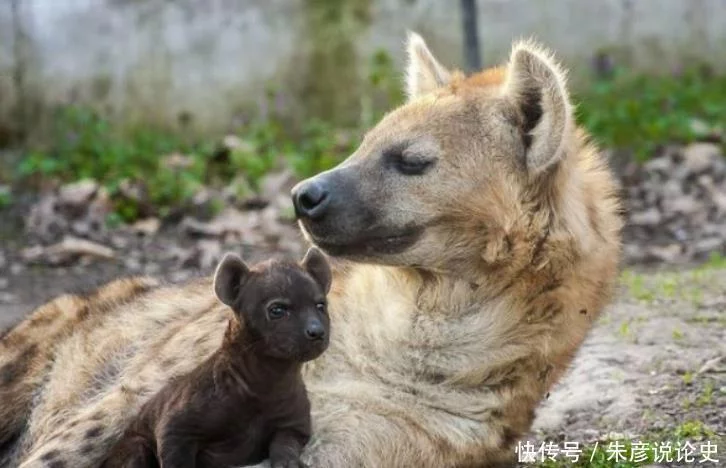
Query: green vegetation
{"points": [[706, 397], [5, 197], [85, 145], [625, 330], [625, 111], [172, 169], [635, 283], [642, 112], [672, 286], [715, 261], [693, 430]]}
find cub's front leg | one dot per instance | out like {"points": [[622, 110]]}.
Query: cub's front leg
{"points": [[286, 447], [132, 452], [177, 452]]}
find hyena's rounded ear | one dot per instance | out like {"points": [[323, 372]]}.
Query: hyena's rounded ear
{"points": [[537, 85], [317, 265], [228, 278], [423, 72]]}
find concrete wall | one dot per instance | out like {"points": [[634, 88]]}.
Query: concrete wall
{"points": [[154, 61]]}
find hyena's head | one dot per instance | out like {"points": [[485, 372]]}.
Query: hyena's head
{"points": [[442, 180], [282, 304]]}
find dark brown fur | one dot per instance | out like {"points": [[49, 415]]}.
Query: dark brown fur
{"points": [[247, 402]]}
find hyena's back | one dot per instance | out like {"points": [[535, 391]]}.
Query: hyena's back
{"points": [[27, 350], [78, 354]]}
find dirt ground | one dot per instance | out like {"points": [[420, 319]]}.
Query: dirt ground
{"points": [[654, 367]]}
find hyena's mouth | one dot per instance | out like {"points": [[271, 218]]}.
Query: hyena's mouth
{"points": [[367, 244]]}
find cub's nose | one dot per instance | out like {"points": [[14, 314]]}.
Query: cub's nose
{"points": [[315, 330], [310, 198]]}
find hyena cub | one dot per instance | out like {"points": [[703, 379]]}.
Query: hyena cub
{"points": [[247, 402]]}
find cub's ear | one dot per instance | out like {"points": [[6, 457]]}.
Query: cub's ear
{"points": [[318, 267], [536, 84], [423, 72], [228, 278]]}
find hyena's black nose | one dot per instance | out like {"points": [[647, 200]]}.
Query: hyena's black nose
{"points": [[310, 199], [315, 330]]}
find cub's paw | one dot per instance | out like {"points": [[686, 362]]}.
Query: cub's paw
{"points": [[288, 463], [262, 464]]}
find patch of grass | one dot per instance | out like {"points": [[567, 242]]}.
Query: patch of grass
{"points": [[114, 220], [624, 329], [669, 287], [6, 197], [715, 261], [635, 282], [707, 320], [642, 112], [693, 429], [87, 146], [695, 296], [684, 286], [706, 396]]}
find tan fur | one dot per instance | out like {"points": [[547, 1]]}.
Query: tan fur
{"points": [[438, 359], [27, 350]]}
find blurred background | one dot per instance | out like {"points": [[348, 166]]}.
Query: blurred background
{"points": [[151, 136]]}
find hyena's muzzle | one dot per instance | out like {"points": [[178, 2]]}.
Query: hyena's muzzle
{"points": [[349, 211]]}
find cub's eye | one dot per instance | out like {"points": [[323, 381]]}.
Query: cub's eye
{"points": [[276, 311], [409, 164], [321, 308]]}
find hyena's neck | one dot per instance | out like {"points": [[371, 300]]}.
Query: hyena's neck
{"points": [[450, 294], [416, 328], [397, 299]]}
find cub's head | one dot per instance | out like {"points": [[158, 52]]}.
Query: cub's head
{"points": [[282, 304], [444, 175]]}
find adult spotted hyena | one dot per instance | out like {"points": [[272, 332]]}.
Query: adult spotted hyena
{"points": [[476, 236]]}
